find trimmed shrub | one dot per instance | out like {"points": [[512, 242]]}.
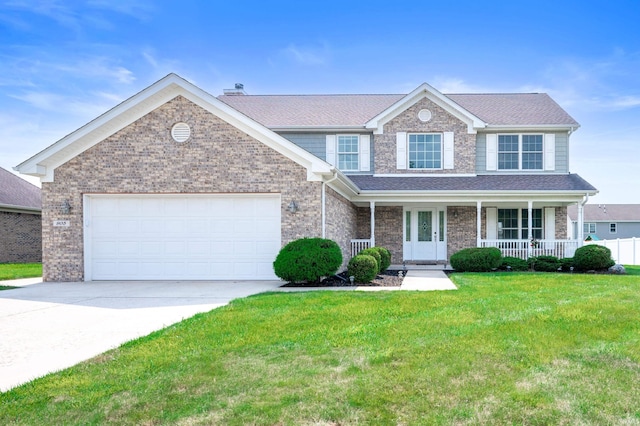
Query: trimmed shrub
{"points": [[308, 260], [516, 264], [363, 267], [385, 258], [592, 257], [373, 251], [476, 259], [566, 263], [544, 263]]}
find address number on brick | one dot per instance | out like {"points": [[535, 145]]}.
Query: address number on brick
{"points": [[64, 223]]}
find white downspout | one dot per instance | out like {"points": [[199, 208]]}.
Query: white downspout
{"points": [[324, 200], [581, 220]]}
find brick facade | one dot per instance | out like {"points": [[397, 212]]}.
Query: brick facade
{"points": [[20, 237], [341, 223], [143, 158], [441, 121]]}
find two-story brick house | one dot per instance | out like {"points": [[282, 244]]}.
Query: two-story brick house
{"points": [[175, 183]]}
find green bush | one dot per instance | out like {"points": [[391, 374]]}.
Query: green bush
{"points": [[476, 259], [592, 257], [373, 251], [544, 263], [566, 263], [516, 264], [308, 260], [385, 258], [363, 268]]}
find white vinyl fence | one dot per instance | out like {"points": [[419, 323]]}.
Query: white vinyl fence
{"points": [[625, 251]]}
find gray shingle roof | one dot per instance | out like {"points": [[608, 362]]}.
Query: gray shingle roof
{"points": [[15, 191], [516, 109], [549, 182], [607, 212], [310, 110]]}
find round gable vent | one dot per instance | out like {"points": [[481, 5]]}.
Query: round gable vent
{"points": [[180, 132], [424, 115]]}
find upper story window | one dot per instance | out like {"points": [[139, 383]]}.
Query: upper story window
{"points": [[520, 152], [613, 228], [589, 228], [425, 151], [348, 152]]}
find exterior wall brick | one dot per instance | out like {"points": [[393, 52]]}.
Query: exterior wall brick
{"points": [[441, 121], [461, 230], [562, 233], [20, 237], [143, 158], [388, 228], [341, 223]]}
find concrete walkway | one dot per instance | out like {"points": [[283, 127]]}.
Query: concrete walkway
{"points": [[46, 327]]}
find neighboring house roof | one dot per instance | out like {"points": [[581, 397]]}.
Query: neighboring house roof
{"points": [[511, 109], [18, 194], [607, 213], [502, 183]]}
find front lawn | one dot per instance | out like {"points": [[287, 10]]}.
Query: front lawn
{"points": [[506, 348], [12, 271]]}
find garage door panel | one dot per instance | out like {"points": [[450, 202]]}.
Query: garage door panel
{"points": [[183, 237]]}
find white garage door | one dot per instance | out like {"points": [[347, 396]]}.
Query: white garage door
{"points": [[181, 237]]}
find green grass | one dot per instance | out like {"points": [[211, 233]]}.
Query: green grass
{"points": [[632, 269], [12, 271], [506, 348]]}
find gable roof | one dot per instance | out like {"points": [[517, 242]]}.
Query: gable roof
{"points": [[607, 212], [355, 111], [17, 194], [45, 162]]}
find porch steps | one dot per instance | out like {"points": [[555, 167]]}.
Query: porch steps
{"points": [[421, 267]]}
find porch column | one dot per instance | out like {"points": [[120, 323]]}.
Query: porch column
{"points": [[529, 226], [530, 221], [580, 230], [372, 206], [479, 223]]}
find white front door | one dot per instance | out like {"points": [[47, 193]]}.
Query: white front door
{"points": [[424, 234]]}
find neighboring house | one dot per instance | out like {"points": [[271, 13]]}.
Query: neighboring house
{"points": [[20, 220], [175, 183], [606, 222]]}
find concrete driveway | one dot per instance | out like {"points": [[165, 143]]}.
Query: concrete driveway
{"points": [[47, 327]]}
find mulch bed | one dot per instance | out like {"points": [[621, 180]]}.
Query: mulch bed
{"points": [[387, 279]]}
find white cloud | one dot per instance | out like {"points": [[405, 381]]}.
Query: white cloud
{"points": [[457, 85], [307, 55]]}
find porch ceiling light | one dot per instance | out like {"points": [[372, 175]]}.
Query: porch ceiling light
{"points": [[65, 207], [293, 206]]}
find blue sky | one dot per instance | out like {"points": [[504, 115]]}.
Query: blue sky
{"points": [[62, 63]]}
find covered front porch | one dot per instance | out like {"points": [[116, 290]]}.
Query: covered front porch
{"points": [[429, 233]]}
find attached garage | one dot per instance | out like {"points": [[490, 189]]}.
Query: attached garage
{"points": [[181, 237]]}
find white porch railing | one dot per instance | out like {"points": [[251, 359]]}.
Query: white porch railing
{"points": [[524, 249], [359, 245]]}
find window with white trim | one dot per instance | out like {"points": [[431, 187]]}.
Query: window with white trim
{"points": [[613, 228], [348, 152], [513, 224], [520, 152], [589, 228], [425, 151]]}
